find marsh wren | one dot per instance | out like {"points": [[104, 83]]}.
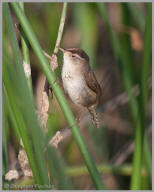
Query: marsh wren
{"points": [[79, 81]]}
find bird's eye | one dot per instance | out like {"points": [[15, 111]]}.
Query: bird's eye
{"points": [[73, 55]]}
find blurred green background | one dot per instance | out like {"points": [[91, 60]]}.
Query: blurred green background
{"points": [[115, 36]]}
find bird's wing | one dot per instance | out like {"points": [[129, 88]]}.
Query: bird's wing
{"points": [[92, 82]]}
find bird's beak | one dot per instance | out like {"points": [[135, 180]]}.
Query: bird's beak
{"points": [[61, 49]]}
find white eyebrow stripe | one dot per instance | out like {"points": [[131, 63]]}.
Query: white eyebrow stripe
{"points": [[77, 55]]}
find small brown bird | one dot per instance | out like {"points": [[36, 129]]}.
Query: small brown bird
{"points": [[79, 81]]}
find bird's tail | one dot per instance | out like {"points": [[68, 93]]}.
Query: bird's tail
{"points": [[94, 116]]}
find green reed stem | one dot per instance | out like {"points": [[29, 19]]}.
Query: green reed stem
{"points": [[59, 95]]}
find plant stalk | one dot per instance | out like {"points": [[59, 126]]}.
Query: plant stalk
{"points": [[59, 95], [25, 52]]}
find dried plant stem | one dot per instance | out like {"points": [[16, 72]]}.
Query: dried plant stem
{"points": [[47, 55], [53, 58], [61, 28], [43, 114]]}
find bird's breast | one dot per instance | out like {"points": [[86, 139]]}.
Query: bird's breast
{"points": [[73, 85]]}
